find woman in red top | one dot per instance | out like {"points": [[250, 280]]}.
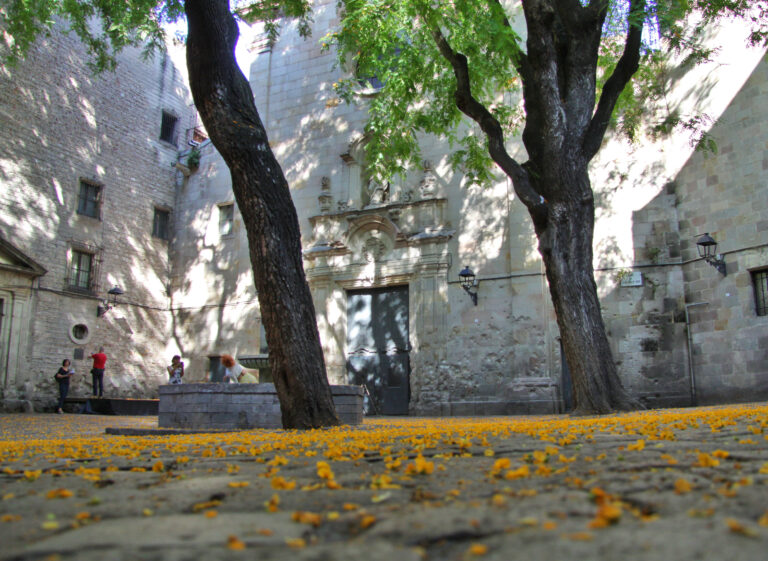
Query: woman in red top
{"points": [[97, 372]]}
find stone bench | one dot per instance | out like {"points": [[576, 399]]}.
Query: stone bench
{"points": [[240, 406]]}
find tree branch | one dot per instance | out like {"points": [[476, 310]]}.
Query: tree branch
{"points": [[622, 74], [518, 60], [476, 111]]}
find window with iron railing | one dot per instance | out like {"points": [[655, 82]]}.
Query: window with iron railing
{"points": [[81, 271]]}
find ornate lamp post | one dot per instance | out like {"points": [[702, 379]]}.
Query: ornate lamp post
{"points": [[469, 283], [707, 247]]}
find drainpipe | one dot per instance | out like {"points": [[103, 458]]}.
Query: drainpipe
{"points": [[9, 326], [691, 375]]}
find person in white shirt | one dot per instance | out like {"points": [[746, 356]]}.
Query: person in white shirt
{"points": [[233, 369]]}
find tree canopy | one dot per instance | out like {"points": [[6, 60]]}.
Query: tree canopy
{"points": [[408, 47], [107, 26]]}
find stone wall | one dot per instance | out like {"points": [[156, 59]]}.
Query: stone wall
{"points": [[241, 406], [725, 194], [63, 125]]}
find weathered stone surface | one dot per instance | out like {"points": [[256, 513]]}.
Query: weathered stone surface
{"points": [[240, 406]]}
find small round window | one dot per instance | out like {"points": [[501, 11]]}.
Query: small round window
{"points": [[79, 333]]}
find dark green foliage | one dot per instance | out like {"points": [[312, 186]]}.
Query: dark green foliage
{"points": [[394, 41]]}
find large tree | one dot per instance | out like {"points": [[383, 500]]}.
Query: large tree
{"points": [[441, 61], [224, 99]]}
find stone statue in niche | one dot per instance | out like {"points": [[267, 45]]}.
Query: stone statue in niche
{"points": [[378, 194], [325, 199], [427, 183]]}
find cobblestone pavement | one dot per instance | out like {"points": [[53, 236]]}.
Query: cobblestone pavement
{"points": [[668, 484]]}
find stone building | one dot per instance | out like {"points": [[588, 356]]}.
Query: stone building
{"points": [[383, 261], [87, 197]]}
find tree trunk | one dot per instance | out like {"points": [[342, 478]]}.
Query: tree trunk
{"points": [[565, 244], [225, 102]]}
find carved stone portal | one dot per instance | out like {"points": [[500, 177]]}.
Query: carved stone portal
{"points": [[371, 237]]}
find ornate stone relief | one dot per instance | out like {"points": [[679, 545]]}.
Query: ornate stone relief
{"points": [[371, 237], [371, 219], [325, 199], [373, 248], [427, 183]]}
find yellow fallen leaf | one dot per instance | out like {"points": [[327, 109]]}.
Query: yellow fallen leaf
{"points": [[32, 475], [234, 543], [58, 494], [478, 549], [763, 520], [304, 517], [738, 528]]}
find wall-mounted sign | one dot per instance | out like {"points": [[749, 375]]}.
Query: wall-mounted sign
{"points": [[635, 278]]}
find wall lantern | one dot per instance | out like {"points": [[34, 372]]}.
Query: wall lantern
{"points": [[707, 247], [111, 300], [468, 283]]}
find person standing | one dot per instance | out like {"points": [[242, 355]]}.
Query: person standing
{"points": [[63, 375], [175, 370], [97, 372]]}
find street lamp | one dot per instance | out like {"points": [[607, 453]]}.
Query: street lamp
{"points": [[110, 302], [707, 247], [468, 283]]}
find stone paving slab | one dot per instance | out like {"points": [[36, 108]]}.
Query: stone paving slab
{"points": [[682, 485]]}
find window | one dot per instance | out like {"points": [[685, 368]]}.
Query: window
{"points": [[161, 224], [168, 127], [81, 270], [760, 282], [226, 219], [89, 201]]}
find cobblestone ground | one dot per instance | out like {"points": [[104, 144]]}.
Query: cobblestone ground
{"points": [[668, 484]]}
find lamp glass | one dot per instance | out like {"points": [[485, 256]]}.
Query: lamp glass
{"points": [[467, 278], [707, 246]]}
